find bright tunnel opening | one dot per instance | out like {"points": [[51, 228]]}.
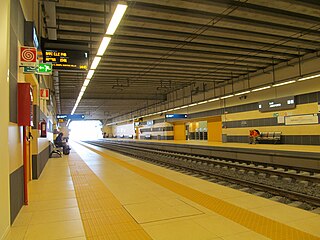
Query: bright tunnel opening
{"points": [[85, 130]]}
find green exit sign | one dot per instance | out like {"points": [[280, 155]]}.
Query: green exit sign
{"points": [[45, 68]]}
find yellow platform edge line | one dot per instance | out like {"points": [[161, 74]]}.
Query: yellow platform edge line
{"points": [[262, 225], [102, 215]]}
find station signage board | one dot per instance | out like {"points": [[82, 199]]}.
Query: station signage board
{"points": [[67, 59], [41, 69], [176, 116], [277, 104], [30, 34], [29, 69], [150, 122], [71, 117]]}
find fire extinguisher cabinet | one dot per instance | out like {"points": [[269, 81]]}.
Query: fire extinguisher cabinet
{"points": [[24, 104]]}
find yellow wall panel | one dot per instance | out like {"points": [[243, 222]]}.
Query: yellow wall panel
{"points": [[4, 120], [215, 130], [179, 131]]}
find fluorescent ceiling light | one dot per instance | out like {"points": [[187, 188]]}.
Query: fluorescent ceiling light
{"points": [[241, 93], [307, 78], [177, 108], [283, 83], [90, 74], [213, 99], [202, 102], [228, 96], [169, 110], [95, 63], [86, 82], [193, 104], [262, 88], [184, 106], [83, 89], [103, 46], [116, 18]]}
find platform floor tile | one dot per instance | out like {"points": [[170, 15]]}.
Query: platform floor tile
{"points": [[102, 214], [53, 211], [263, 225]]}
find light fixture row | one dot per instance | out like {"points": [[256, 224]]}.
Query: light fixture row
{"points": [[224, 97], [112, 27]]}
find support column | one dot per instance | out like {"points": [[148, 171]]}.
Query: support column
{"points": [[215, 129], [179, 131]]}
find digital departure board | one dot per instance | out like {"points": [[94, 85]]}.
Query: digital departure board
{"points": [[277, 104], [67, 59]]}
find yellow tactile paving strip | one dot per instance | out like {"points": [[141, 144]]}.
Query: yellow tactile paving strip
{"points": [[255, 222], [102, 214]]}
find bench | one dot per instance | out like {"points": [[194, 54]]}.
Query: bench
{"points": [[54, 150], [269, 137]]}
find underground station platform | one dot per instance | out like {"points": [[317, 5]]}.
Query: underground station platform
{"points": [[103, 190], [158, 101]]}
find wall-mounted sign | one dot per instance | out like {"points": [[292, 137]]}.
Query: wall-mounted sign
{"points": [[28, 56], [277, 104], [45, 68], [41, 69], [176, 116], [30, 34], [71, 117], [67, 59], [150, 123], [302, 119], [29, 69], [44, 93]]}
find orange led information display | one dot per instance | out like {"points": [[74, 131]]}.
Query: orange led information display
{"points": [[67, 59]]}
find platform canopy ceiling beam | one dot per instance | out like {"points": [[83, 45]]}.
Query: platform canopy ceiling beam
{"points": [[163, 46]]}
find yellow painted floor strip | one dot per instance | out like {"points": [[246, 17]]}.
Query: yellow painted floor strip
{"points": [[255, 222], [102, 214]]}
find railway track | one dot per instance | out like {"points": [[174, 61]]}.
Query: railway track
{"points": [[294, 186]]}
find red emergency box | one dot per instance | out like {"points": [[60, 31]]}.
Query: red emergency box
{"points": [[25, 108]]}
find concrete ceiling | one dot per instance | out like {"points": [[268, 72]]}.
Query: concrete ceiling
{"points": [[161, 46]]}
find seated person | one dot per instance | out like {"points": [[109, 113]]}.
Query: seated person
{"points": [[60, 142], [253, 136]]}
